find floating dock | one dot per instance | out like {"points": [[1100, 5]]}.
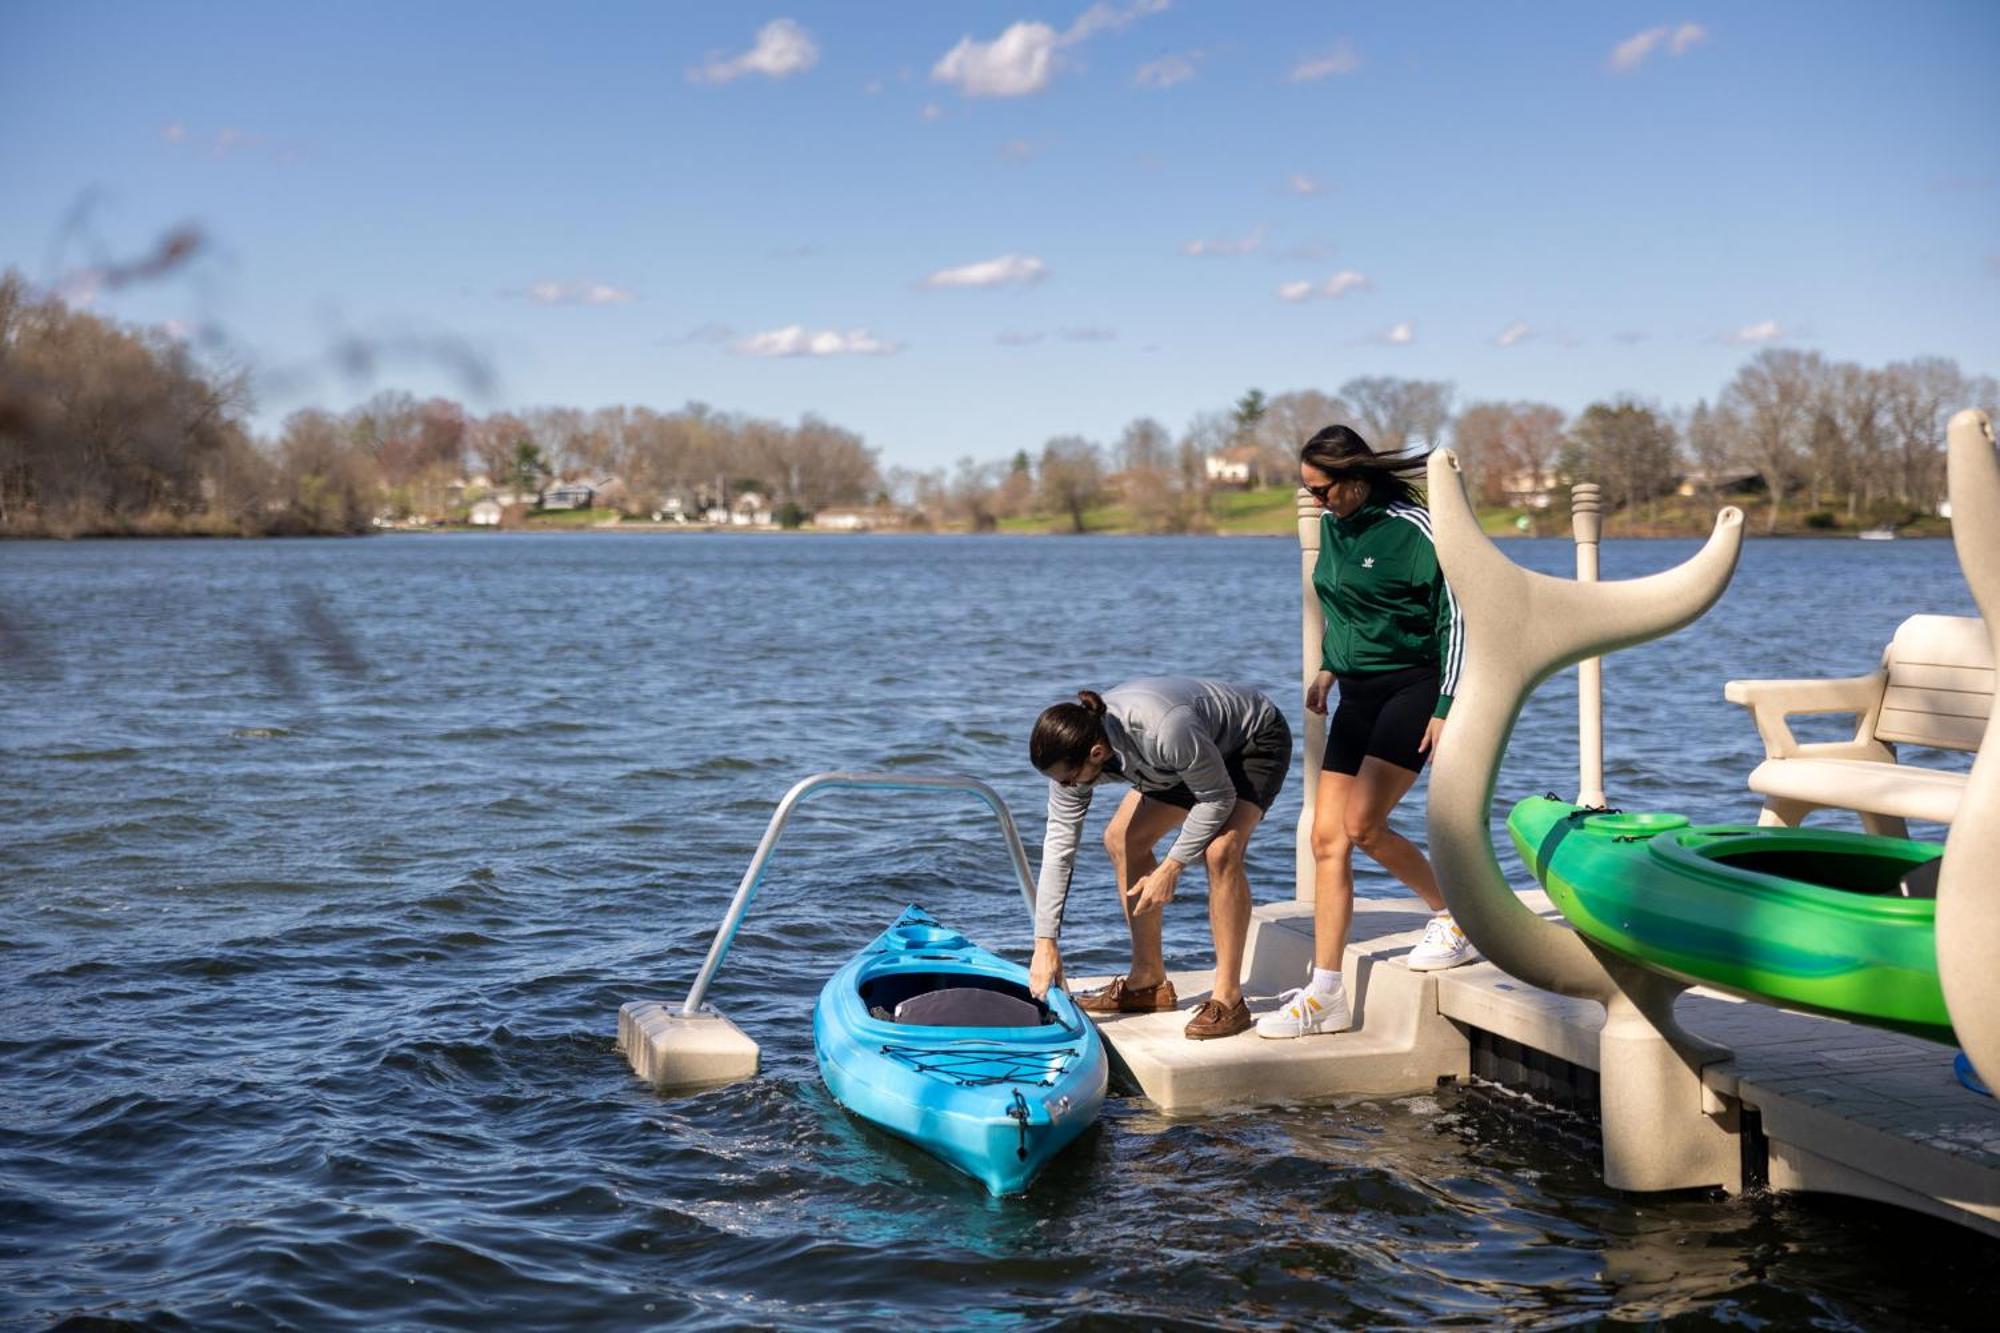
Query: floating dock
{"points": [[1813, 1103]]}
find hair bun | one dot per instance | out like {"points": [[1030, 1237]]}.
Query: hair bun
{"points": [[1093, 702]]}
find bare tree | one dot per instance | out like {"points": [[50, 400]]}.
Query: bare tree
{"points": [[1712, 436], [1772, 399], [1072, 474], [1920, 397], [1289, 420], [1630, 447], [1396, 414]]}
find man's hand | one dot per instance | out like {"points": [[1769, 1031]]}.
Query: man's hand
{"points": [[1157, 889], [1428, 745], [1046, 970], [1316, 693]]}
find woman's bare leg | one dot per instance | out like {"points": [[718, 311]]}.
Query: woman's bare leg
{"points": [[1376, 790], [1333, 870]]}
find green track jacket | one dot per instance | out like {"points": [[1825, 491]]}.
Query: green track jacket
{"points": [[1386, 603]]}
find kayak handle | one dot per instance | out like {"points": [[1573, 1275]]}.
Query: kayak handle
{"points": [[819, 782]]}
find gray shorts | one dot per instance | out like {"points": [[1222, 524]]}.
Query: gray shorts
{"points": [[1257, 771]]}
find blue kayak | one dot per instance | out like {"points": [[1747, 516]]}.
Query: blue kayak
{"points": [[938, 1041]]}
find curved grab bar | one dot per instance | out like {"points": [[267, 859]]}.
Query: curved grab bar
{"points": [[819, 782]]}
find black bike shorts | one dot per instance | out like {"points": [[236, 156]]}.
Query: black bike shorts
{"points": [[1382, 713], [1257, 772]]}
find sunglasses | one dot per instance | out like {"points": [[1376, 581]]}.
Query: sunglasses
{"points": [[1320, 493]]}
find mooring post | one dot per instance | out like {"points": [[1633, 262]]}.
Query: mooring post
{"points": [[1312, 629], [1587, 523]]}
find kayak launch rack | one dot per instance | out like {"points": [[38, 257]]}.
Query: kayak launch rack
{"points": [[692, 1044]]}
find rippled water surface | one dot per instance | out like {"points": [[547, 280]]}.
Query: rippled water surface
{"points": [[328, 864]]}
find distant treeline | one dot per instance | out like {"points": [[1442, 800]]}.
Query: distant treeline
{"points": [[108, 428]]}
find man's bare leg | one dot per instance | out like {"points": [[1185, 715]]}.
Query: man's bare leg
{"points": [[1229, 900], [1130, 837]]}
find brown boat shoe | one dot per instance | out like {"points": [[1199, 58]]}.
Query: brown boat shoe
{"points": [[1119, 998], [1216, 1019]]}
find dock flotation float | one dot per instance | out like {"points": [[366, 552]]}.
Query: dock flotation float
{"points": [[1844, 923], [939, 1042]]}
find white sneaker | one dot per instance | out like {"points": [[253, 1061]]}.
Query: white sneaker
{"points": [[1443, 945], [1304, 1012]]}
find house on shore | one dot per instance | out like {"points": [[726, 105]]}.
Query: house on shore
{"points": [[1239, 465], [603, 492], [856, 519], [484, 514]]}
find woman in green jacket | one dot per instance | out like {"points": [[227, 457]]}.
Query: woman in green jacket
{"points": [[1393, 645]]}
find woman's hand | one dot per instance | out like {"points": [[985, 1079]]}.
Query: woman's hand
{"points": [[1428, 745], [1046, 970], [1157, 889], [1316, 693]]}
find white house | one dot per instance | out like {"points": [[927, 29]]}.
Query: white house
{"points": [[1231, 467], [849, 520], [1530, 490], [485, 514]]}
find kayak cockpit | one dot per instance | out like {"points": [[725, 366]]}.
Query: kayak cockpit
{"points": [[1811, 860], [951, 999]]}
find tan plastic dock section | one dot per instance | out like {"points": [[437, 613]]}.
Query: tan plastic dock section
{"points": [[1842, 1108]]}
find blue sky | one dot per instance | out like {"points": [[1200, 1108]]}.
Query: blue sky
{"points": [[962, 229]]}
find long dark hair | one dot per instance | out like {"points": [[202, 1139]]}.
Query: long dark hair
{"points": [[1064, 733], [1340, 451]]}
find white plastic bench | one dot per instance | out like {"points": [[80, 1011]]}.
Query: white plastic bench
{"points": [[1934, 688]]}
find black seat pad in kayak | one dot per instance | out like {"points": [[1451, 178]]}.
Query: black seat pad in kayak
{"points": [[966, 1007], [1922, 882]]}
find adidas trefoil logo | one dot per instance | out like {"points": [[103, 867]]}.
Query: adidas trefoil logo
{"points": [[1368, 562]]}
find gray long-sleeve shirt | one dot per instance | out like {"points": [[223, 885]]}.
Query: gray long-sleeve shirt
{"points": [[1165, 731]]}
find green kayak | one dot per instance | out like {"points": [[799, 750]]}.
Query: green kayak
{"points": [[1844, 923]]}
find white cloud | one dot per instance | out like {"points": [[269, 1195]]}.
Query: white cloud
{"points": [[1249, 245], [178, 330], [548, 292], [1007, 270], [872, 88], [931, 111], [174, 132], [1764, 331], [1335, 287], [1103, 17], [782, 49], [1017, 62], [1088, 333], [1513, 333], [797, 340], [1300, 183], [1342, 59], [1633, 52], [1023, 59], [1166, 72], [710, 332], [1399, 335]]}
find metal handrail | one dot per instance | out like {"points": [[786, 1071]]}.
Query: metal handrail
{"points": [[818, 782]]}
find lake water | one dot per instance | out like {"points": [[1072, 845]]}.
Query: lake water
{"points": [[327, 865]]}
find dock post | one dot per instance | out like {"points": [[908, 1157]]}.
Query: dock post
{"points": [[1586, 522], [1661, 1129], [1968, 900], [1312, 627]]}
